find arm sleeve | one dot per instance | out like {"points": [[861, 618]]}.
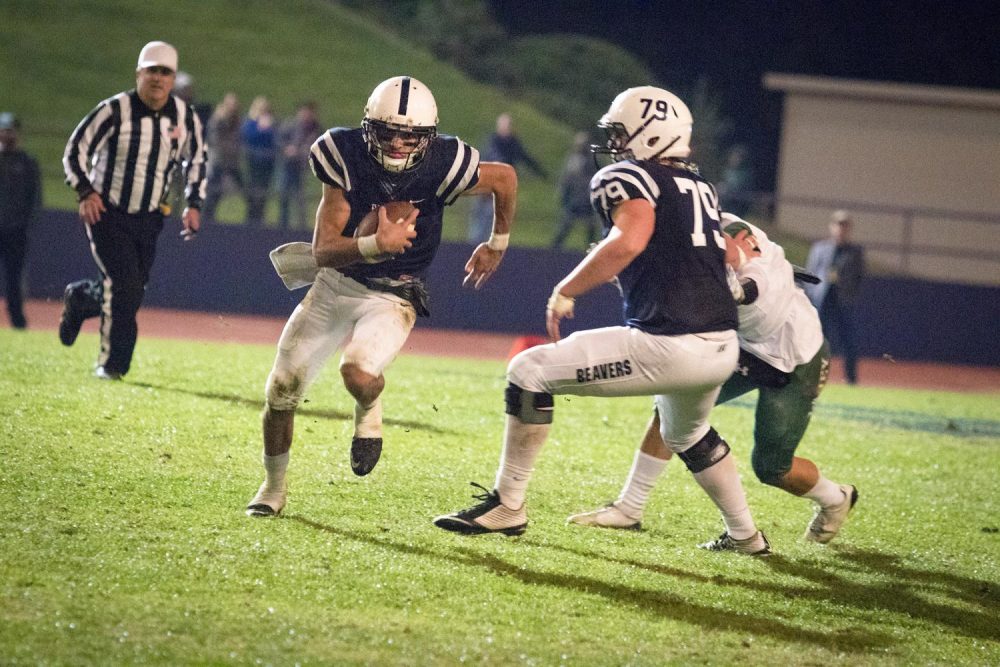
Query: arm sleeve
{"points": [[462, 173], [194, 165], [88, 137], [754, 270], [327, 162], [619, 182]]}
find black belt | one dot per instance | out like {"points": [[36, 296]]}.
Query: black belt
{"points": [[412, 290]]}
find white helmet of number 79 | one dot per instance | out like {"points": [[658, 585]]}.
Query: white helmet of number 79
{"points": [[647, 123]]}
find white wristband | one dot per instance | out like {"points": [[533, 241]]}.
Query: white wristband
{"points": [[498, 241], [368, 246]]}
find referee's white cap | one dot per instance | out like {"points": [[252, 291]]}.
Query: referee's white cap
{"points": [[158, 54]]}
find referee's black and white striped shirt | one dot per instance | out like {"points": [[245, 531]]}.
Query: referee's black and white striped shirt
{"points": [[126, 152]]}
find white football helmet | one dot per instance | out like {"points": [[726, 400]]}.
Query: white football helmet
{"points": [[646, 123], [400, 107]]}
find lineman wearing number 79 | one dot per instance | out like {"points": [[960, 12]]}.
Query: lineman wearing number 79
{"points": [[678, 343]]}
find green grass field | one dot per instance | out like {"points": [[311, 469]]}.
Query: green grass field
{"points": [[123, 539]]}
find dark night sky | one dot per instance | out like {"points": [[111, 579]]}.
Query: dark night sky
{"points": [[732, 44]]}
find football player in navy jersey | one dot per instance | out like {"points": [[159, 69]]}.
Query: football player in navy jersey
{"points": [[368, 288], [678, 343], [783, 357]]}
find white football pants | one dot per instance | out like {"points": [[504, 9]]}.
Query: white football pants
{"points": [[335, 308], [684, 373]]}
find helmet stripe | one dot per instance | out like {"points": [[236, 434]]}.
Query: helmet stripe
{"points": [[404, 96]]}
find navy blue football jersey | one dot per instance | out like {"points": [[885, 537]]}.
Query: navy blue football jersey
{"points": [[677, 285], [340, 158]]}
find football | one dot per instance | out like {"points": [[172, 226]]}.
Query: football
{"points": [[394, 211]]}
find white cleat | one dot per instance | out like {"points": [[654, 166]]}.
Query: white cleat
{"points": [[267, 502], [609, 516], [828, 520]]}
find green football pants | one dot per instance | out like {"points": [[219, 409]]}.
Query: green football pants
{"points": [[782, 414]]}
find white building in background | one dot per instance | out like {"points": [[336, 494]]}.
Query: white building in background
{"points": [[919, 166]]}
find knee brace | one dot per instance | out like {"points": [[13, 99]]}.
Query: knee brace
{"points": [[705, 453], [529, 406]]}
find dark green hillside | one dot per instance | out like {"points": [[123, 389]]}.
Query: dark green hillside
{"points": [[58, 59]]}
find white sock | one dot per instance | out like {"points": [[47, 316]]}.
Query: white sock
{"points": [[825, 493], [368, 421], [641, 479], [521, 445], [722, 484], [274, 470]]}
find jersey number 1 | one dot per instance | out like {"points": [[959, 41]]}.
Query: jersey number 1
{"points": [[703, 200]]}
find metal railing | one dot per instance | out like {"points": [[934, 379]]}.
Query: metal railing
{"points": [[767, 202]]}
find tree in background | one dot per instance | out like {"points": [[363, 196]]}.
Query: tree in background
{"points": [[569, 77]]}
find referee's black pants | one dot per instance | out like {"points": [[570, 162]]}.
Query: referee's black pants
{"points": [[124, 247]]}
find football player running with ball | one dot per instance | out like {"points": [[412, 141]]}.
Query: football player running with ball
{"points": [[369, 289], [784, 357], [678, 343]]}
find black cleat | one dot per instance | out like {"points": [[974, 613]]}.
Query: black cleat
{"points": [[489, 516], [365, 453], [80, 301]]}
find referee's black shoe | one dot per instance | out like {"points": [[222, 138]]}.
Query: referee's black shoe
{"points": [[79, 303]]}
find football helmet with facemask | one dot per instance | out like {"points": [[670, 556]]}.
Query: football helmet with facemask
{"points": [[646, 123], [400, 122]]}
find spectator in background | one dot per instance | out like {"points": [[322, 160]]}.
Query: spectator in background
{"points": [[224, 152], [737, 183], [574, 193], [841, 266], [20, 198], [295, 138], [184, 89], [260, 144], [501, 146]]}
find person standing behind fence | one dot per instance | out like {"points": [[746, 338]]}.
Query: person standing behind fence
{"points": [[119, 160], [20, 198], [295, 137], [224, 152], [501, 146], [260, 143], [841, 266], [574, 193]]}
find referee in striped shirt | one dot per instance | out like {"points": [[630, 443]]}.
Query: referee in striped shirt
{"points": [[120, 160]]}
